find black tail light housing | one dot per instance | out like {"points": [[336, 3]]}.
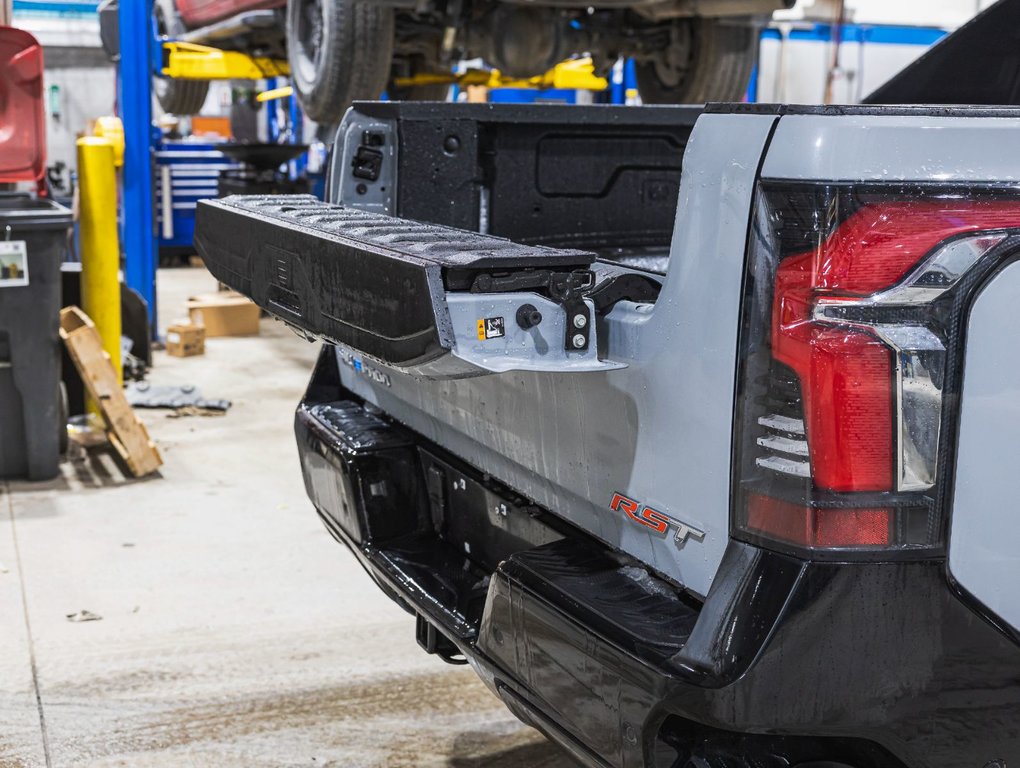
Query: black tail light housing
{"points": [[852, 328]]}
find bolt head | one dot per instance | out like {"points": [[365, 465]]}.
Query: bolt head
{"points": [[578, 340], [580, 321]]}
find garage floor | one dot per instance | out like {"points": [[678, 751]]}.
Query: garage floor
{"points": [[234, 630]]}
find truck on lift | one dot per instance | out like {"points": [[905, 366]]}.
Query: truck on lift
{"points": [[689, 428], [340, 50]]}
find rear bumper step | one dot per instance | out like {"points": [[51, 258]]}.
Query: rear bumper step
{"points": [[622, 602]]}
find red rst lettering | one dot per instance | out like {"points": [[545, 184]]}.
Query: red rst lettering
{"points": [[621, 503]]}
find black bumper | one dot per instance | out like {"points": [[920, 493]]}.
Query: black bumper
{"points": [[787, 662]]}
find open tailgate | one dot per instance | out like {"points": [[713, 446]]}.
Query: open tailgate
{"points": [[432, 300]]}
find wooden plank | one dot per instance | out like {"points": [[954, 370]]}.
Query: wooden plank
{"points": [[126, 432]]}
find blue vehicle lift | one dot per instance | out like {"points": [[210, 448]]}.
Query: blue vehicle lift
{"points": [[139, 57]]}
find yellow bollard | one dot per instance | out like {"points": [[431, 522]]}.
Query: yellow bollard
{"points": [[100, 243], [110, 127]]}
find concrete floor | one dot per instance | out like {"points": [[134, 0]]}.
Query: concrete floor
{"points": [[234, 631]]}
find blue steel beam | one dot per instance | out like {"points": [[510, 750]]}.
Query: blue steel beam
{"points": [[137, 38], [66, 7], [272, 121], [297, 136]]}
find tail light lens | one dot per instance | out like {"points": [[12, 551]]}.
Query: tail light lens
{"points": [[850, 322]]}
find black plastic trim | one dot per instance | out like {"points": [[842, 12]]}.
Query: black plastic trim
{"points": [[852, 110], [557, 114]]}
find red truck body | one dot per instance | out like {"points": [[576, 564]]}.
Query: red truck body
{"points": [[197, 13]]}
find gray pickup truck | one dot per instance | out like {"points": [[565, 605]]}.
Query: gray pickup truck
{"points": [[690, 429]]}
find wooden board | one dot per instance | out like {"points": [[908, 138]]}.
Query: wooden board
{"points": [[126, 432]]}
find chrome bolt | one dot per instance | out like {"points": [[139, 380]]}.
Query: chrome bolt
{"points": [[578, 340], [580, 321]]}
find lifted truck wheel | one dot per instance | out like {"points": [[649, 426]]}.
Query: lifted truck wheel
{"points": [[707, 60], [339, 51], [178, 97]]}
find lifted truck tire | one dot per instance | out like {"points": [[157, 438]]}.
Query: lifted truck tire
{"points": [[178, 97], [717, 66], [339, 51]]}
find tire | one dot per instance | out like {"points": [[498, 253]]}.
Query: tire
{"points": [[178, 97], [717, 68], [339, 51]]}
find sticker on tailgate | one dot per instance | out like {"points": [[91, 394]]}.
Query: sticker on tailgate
{"points": [[491, 328]]}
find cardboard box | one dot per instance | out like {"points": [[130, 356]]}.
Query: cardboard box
{"points": [[225, 313], [185, 340]]}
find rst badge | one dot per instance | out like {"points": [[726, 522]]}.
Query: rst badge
{"points": [[659, 522]]}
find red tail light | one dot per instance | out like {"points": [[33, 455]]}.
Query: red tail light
{"points": [[844, 349]]}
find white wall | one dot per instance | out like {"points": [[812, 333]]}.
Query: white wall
{"points": [[937, 13], [82, 94], [794, 70]]}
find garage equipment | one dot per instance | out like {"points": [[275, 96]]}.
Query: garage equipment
{"points": [[572, 74], [189, 61], [33, 234], [259, 173], [186, 172]]}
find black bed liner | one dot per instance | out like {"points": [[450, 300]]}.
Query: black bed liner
{"points": [[598, 177], [374, 282]]}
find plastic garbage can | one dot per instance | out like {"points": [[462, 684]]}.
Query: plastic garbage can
{"points": [[33, 237]]}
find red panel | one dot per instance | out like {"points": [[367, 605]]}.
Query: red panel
{"points": [[846, 381], [818, 527], [22, 120], [198, 13], [850, 411], [878, 244]]}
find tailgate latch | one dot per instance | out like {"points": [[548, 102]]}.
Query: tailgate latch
{"points": [[567, 289]]}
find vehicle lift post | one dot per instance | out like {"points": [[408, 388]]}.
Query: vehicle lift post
{"points": [[137, 64]]}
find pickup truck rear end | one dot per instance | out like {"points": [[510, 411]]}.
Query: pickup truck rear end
{"points": [[703, 466]]}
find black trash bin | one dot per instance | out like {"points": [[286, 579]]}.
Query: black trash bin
{"points": [[33, 238]]}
